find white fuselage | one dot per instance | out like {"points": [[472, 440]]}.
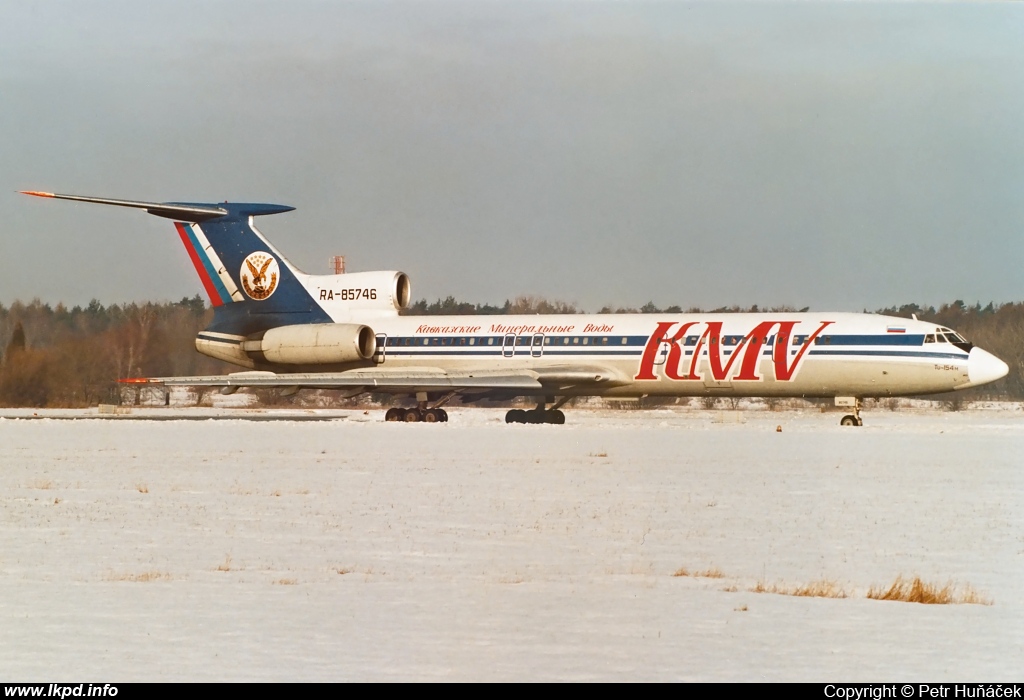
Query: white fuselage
{"points": [[773, 354]]}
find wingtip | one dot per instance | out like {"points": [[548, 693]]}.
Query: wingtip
{"points": [[36, 194]]}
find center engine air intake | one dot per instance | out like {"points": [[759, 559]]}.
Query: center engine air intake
{"points": [[320, 343]]}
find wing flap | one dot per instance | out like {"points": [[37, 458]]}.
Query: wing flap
{"points": [[391, 382], [406, 380]]}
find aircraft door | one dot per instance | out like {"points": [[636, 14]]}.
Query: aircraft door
{"points": [[537, 345], [508, 347], [780, 343], [663, 347], [382, 348]]}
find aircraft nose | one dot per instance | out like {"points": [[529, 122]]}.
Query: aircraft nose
{"points": [[984, 367]]}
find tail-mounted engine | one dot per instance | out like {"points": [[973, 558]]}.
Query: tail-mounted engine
{"points": [[320, 343], [381, 293]]}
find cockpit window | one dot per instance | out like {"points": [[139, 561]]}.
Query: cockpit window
{"points": [[929, 338], [946, 335]]}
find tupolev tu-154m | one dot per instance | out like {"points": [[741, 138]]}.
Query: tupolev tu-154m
{"points": [[293, 331]]}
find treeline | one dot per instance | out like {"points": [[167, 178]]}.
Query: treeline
{"points": [[56, 356], [536, 305], [520, 305]]}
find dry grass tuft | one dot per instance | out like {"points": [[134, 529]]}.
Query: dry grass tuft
{"points": [[713, 572], [816, 589], [742, 608], [341, 571], [819, 589], [286, 582], [44, 485], [144, 577], [226, 566], [917, 591], [598, 454], [142, 488]]}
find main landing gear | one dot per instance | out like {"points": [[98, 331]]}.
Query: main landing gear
{"points": [[422, 413], [538, 415], [416, 415], [518, 415]]}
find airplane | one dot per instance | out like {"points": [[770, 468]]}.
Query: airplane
{"points": [[292, 331]]}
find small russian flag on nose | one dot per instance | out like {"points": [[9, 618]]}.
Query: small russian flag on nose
{"points": [[895, 329]]}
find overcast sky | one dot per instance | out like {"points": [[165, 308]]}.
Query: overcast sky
{"points": [[832, 155]]}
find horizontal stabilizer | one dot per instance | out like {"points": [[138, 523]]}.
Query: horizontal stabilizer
{"points": [[169, 210], [179, 211]]}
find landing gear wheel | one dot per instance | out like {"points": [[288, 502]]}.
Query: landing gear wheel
{"points": [[851, 420], [413, 415], [516, 415], [536, 417], [432, 415], [444, 415], [556, 417], [395, 415]]}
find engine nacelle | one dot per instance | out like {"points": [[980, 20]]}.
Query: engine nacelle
{"points": [[316, 344], [373, 292]]}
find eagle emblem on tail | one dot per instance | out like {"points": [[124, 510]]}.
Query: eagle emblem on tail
{"points": [[260, 273]]}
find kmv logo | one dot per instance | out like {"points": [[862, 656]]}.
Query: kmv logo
{"points": [[259, 274], [743, 360]]}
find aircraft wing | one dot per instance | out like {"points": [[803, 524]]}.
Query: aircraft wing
{"points": [[406, 380]]}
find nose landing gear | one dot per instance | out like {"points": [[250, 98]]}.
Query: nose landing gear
{"points": [[853, 419]]}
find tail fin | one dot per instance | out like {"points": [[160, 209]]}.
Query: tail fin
{"points": [[251, 285]]}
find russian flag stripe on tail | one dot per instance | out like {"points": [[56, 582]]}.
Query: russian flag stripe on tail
{"points": [[214, 263], [207, 269]]}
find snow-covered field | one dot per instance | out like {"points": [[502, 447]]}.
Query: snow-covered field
{"points": [[474, 550]]}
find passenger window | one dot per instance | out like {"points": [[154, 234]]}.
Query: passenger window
{"points": [[586, 341], [490, 341], [624, 340], [575, 341], [565, 340], [604, 341], [472, 341]]}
